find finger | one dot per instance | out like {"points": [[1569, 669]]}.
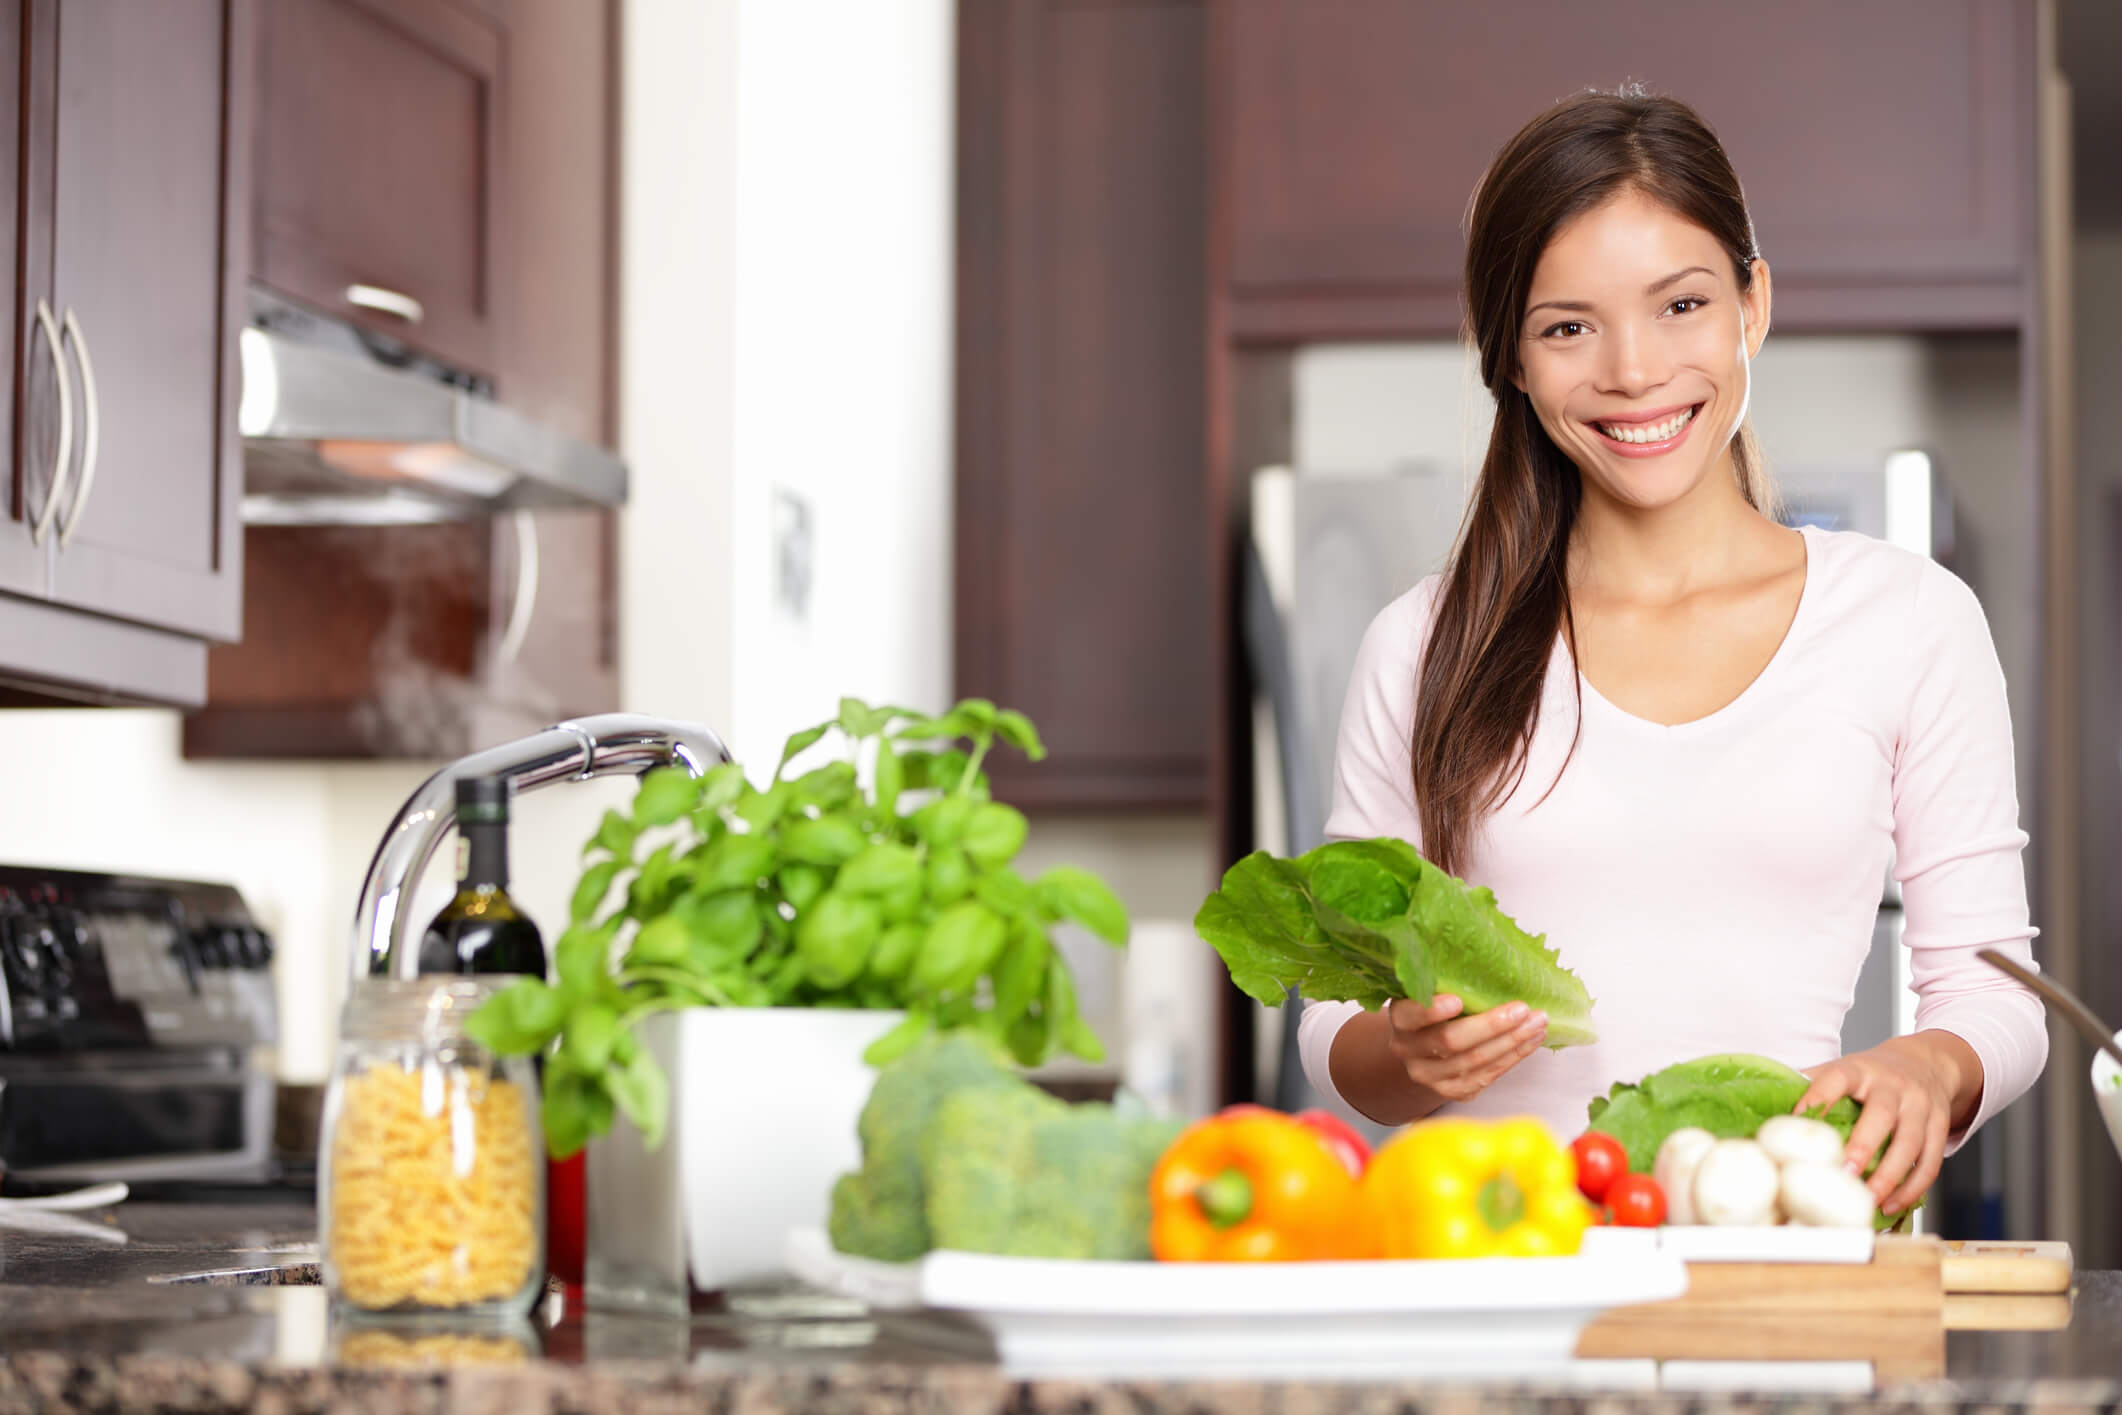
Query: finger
{"points": [[1830, 1083], [1873, 1127], [1899, 1162], [1532, 1040], [1407, 1015], [1500, 1052], [1467, 1033], [1935, 1132]]}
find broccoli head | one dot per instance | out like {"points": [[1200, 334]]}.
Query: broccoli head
{"points": [[877, 1211], [1018, 1172]]}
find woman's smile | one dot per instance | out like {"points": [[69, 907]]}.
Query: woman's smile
{"points": [[1647, 434]]}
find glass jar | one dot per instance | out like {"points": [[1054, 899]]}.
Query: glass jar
{"points": [[431, 1168]]}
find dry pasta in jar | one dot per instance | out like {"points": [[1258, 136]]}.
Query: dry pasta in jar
{"points": [[431, 1178]]}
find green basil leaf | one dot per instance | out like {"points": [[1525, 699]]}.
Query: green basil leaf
{"points": [[506, 1025], [978, 713], [596, 882], [800, 883], [587, 1040], [1007, 894], [657, 884], [615, 833], [949, 875], [827, 840], [899, 1040], [734, 862], [762, 809], [828, 788], [642, 1092], [880, 868], [994, 833], [834, 936], [721, 786], [1016, 729], [582, 960], [888, 780], [666, 793], [727, 923], [858, 719], [1029, 1041], [798, 744], [1077, 1039], [961, 943], [943, 822], [894, 951], [661, 943], [566, 1111], [1080, 896], [1020, 974]]}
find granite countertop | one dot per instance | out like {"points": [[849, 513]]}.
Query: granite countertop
{"points": [[210, 1308]]}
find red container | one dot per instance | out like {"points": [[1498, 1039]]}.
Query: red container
{"points": [[565, 1230]]}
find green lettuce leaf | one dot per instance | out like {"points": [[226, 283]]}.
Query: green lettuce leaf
{"points": [[1728, 1095], [1367, 921]]}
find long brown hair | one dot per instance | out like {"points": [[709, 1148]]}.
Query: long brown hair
{"points": [[1506, 594]]}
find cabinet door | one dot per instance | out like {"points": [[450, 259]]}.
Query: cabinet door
{"points": [[1884, 146], [1083, 530], [29, 404], [378, 171], [145, 276]]}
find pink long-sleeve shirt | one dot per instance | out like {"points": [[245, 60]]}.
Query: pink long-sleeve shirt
{"points": [[1715, 883]]}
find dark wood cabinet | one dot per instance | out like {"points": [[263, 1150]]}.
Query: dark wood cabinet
{"points": [[145, 265], [1883, 147], [1082, 518], [380, 189], [119, 546], [429, 641]]}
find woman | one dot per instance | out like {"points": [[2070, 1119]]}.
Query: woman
{"points": [[1680, 739]]}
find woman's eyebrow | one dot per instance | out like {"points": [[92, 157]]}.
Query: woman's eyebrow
{"points": [[1585, 306]]}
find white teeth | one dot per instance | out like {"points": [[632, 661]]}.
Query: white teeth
{"points": [[1649, 432]]}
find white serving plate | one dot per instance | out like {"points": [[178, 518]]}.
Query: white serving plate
{"points": [[1785, 1243], [1488, 1317]]}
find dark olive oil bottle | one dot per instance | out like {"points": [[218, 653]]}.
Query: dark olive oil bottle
{"points": [[481, 930]]}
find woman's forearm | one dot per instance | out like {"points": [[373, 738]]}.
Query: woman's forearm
{"points": [[1370, 1078], [1958, 1061]]}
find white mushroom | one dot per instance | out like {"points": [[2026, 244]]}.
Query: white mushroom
{"points": [[1736, 1184], [1799, 1139], [1826, 1196], [1674, 1170]]}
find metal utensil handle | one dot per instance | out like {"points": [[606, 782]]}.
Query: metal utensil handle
{"points": [[89, 433], [2060, 998], [62, 459], [525, 601], [375, 297]]}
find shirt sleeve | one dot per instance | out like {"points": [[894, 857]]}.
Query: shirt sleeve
{"points": [[1373, 791], [1958, 845]]}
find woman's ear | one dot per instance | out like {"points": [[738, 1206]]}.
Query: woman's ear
{"points": [[1754, 308]]}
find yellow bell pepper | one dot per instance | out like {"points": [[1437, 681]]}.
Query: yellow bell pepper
{"points": [[1473, 1189]]}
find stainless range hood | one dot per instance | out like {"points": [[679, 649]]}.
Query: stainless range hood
{"points": [[342, 428]]}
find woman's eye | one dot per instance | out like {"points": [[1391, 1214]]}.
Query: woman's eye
{"points": [[1568, 328], [1686, 304]]}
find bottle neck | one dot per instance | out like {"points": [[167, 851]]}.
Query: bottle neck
{"points": [[482, 861]]}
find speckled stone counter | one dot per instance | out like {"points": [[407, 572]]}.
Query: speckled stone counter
{"points": [[214, 1309]]}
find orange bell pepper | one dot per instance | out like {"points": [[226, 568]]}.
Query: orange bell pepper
{"points": [[1254, 1186]]}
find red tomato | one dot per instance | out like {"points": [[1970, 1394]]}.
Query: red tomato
{"points": [[1637, 1201], [1600, 1161]]}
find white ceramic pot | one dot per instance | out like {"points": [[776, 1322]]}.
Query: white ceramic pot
{"points": [[2107, 1091], [764, 1102]]}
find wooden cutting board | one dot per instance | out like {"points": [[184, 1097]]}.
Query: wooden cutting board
{"points": [[1889, 1311], [1995, 1267]]}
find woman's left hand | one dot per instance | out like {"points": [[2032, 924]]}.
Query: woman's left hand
{"points": [[1912, 1089]]}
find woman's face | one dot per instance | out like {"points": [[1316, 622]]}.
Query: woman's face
{"points": [[1634, 350]]}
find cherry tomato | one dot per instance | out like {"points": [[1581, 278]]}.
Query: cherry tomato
{"points": [[1637, 1201], [1600, 1160]]}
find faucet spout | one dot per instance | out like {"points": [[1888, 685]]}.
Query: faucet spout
{"points": [[604, 745]]}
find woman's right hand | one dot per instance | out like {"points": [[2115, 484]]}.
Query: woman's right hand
{"points": [[1457, 1058]]}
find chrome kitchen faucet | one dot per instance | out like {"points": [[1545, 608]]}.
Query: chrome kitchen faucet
{"points": [[577, 750]]}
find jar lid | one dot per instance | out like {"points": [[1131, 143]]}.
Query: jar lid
{"points": [[432, 1007]]}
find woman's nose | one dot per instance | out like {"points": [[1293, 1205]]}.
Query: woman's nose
{"points": [[1631, 364]]}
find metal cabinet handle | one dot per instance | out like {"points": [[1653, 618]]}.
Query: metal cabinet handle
{"points": [[375, 297], [62, 460], [89, 433], [525, 600]]}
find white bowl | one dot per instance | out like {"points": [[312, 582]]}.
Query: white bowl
{"points": [[2107, 1093]]}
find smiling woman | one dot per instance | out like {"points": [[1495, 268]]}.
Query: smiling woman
{"points": [[1682, 739]]}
